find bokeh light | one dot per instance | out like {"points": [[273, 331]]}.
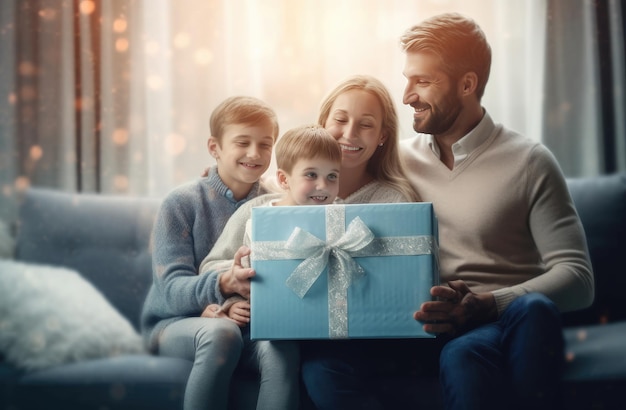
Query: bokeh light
{"points": [[28, 93], [26, 69], [120, 136], [203, 56], [120, 183], [119, 25], [36, 152], [22, 183], [87, 6], [182, 40], [175, 144], [48, 14], [154, 82], [121, 45]]}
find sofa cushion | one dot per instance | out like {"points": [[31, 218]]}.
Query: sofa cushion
{"points": [[51, 315], [595, 368], [595, 353], [601, 204], [105, 238], [127, 382]]}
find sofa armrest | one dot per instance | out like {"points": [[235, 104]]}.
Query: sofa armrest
{"points": [[601, 204], [105, 238]]}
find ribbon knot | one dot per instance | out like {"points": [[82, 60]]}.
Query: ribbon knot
{"points": [[318, 254]]}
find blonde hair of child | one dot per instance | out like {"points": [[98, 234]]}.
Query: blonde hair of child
{"points": [[306, 142]]}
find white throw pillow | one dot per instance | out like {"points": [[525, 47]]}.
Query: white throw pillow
{"points": [[51, 316]]}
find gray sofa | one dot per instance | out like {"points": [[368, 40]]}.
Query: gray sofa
{"points": [[107, 239]]}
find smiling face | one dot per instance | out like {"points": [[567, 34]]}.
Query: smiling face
{"points": [[311, 182], [355, 120], [243, 155], [432, 93]]}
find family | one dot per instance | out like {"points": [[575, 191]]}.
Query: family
{"points": [[512, 253]]}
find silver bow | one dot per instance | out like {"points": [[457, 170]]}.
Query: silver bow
{"points": [[318, 253]]}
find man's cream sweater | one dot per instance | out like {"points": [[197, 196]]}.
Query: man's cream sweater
{"points": [[507, 224]]}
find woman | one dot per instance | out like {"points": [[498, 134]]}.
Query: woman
{"points": [[361, 115]]}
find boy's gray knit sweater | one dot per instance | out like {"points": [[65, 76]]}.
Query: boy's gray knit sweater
{"points": [[187, 225]]}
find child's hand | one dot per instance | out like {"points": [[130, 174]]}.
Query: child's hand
{"points": [[213, 310], [239, 313]]}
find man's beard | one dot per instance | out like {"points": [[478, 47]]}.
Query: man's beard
{"points": [[442, 119]]}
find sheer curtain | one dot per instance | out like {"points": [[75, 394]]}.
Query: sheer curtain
{"points": [[114, 96], [291, 53], [584, 109]]}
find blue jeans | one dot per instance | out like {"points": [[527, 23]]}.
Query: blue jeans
{"points": [[514, 362]]}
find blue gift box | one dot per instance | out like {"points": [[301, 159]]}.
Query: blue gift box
{"points": [[342, 271]]}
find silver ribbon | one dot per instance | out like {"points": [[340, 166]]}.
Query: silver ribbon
{"points": [[337, 253]]}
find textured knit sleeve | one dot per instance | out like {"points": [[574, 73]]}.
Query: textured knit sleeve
{"points": [[559, 237], [182, 291]]}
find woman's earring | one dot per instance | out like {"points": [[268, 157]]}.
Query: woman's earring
{"points": [[381, 144]]}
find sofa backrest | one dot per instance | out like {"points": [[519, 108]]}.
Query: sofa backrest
{"points": [[105, 238], [601, 205]]}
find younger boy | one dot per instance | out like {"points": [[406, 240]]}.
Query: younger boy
{"points": [[191, 217], [308, 160]]}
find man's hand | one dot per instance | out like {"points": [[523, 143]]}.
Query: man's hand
{"points": [[456, 309], [236, 280]]}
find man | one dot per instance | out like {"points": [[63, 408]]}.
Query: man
{"points": [[512, 249]]}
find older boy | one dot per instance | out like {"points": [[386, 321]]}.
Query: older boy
{"points": [[191, 217]]}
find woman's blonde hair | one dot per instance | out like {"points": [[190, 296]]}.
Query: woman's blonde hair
{"points": [[385, 165]]}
